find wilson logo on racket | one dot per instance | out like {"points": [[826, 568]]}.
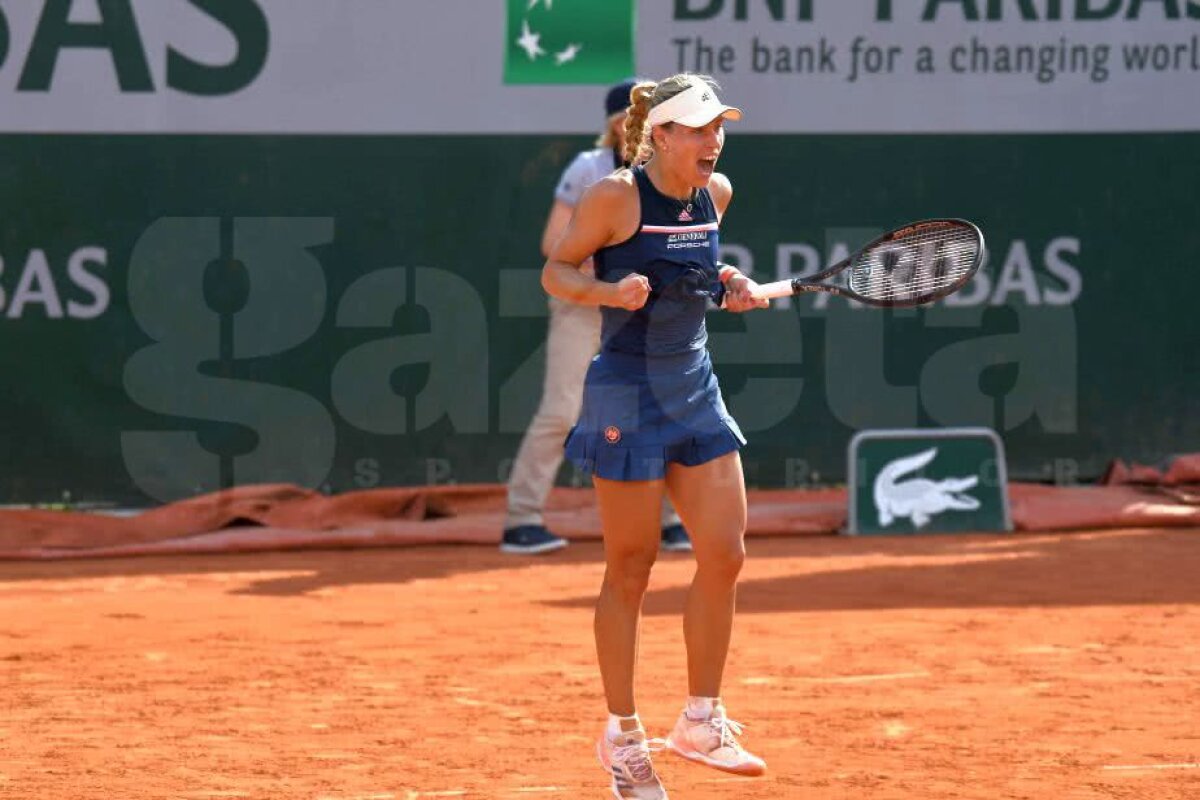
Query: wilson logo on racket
{"points": [[612, 434], [919, 226]]}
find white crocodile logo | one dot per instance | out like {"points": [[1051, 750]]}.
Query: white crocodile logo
{"points": [[919, 499]]}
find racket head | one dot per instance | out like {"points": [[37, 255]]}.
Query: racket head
{"points": [[915, 264]]}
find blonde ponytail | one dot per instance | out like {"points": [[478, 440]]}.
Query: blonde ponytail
{"points": [[637, 148]]}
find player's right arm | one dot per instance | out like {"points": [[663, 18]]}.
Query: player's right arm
{"points": [[607, 213], [556, 223], [567, 194]]}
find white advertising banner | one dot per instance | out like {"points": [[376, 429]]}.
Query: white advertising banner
{"points": [[538, 66]]}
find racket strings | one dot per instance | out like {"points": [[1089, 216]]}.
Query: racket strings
{"points": [[946, 268], [921, 264], [909, 290]]}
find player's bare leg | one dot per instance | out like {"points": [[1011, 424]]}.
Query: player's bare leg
{"points": [[711, 500]]}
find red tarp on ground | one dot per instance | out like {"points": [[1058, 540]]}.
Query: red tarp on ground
{"points": [[280, 517], [1181, 471]]}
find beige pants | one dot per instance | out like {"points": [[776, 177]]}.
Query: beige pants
{"points": [[571, 343]]}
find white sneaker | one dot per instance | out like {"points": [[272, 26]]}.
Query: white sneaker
{"points": [[713, 742], [627, 760]]}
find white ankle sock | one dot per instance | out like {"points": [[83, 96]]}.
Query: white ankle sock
{"points": [[701, 708], [614, 729]]}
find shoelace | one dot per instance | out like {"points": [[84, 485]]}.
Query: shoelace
{"points": [[635, 758], [727, 730]]}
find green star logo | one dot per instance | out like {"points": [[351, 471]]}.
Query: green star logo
{"points": [[569, 41]]}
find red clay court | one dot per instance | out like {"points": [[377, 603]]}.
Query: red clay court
{"points": [[1047, 665]]}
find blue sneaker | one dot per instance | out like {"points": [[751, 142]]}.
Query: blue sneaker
{"points": [[675, 538], [530, 540]]}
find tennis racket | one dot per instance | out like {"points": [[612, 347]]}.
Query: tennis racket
{"points": [[910, 266]]}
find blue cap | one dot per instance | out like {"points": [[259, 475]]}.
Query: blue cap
{"points": [[618, 97]]}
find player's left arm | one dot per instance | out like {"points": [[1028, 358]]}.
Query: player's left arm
{"points": [[739, 290], [722, 192]]}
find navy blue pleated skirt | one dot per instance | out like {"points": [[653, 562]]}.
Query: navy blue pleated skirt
{"points": [[642, 412]]}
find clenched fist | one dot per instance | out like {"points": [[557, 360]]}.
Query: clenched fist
{"points": [[630, 292]]}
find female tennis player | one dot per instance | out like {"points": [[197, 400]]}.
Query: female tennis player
{"points": [[653, 420]]}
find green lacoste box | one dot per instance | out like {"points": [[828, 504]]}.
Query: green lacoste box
{"points": [[944, 480]]}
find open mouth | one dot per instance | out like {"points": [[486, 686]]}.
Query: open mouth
{"points": [[707, 165]]}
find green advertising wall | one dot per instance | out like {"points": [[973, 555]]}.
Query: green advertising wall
{"points": [[183, 313]]}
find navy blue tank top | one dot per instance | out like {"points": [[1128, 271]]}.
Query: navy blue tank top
{"points": [[676, 249]]}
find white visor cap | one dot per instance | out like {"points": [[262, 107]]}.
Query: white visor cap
{"points": [[695, 107]]}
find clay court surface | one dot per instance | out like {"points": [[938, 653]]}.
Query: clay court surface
{"points": [[1022, 666]]}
